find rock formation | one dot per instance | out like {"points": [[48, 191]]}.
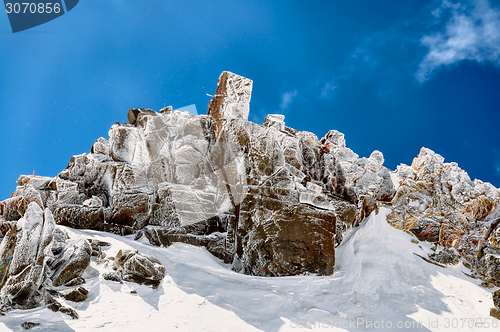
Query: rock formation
{"points": [[269, 199], [35, 256], [439, 203]]}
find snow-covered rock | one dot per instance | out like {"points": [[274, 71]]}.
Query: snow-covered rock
{"points": [[267, 198], [232, 97], [36, 255], [438, 202]]}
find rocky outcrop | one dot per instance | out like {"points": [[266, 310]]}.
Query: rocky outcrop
{"points": [[36, 255], [269, 199], [439, 203]]}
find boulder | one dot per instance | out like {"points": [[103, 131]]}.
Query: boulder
{"points": [[78, 294], [139, 268], [101, 146], [131, 209]]}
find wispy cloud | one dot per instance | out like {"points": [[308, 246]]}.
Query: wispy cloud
{"points": [[472, 32], [328, 89], [287, 99]]}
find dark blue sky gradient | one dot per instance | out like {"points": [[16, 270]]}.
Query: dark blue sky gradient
{"points": [[347, 65]]}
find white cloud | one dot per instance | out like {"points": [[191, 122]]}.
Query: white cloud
{"points": [[472, 33], [327, 89], [287, 99]]}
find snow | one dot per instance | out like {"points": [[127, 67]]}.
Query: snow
{"points": [[378, 280]]}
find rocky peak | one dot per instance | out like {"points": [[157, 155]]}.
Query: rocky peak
{"points": [[269, 199]]}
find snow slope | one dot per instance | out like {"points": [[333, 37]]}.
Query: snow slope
{"points": [[379, 285]]}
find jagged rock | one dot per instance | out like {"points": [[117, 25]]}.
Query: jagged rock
{"points": [[73, 261], [438, 202], [96, 246], [215, 243], [101, 146], [139, 268], [276, 121], [13, 208], [132, 115], [427, 229], [168, 109], [232, 97], [335, 138], [77, 216], [93, 202], [5, 226], [131, 209], [268, 198], [489, 265], [494, 312], [275, 238], [78, 294], [35, 254]]}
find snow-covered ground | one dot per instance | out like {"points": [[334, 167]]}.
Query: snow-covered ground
{"points": [[379, 285]]}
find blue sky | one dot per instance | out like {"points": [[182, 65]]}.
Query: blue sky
{"points": [[391, 75]]}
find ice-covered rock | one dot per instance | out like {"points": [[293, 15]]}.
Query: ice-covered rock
{"points": [[35, 256], [139, 268], [232, 97], [438, 202], [267, 198]]}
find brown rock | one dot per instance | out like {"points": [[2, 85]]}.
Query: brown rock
{"points": [[276, 239], [139, 268], [494, 312], [76, 216], [131, 209], [77, 259], [496, 298], [13, 208], [78, 294]]}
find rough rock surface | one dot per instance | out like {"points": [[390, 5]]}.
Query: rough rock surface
{"points": [[232, 97], [36, 255], [496, 298], [136, 267], [438, 202], [78, 294], [267, 198]]}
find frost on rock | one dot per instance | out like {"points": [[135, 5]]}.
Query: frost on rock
{"points": [[232, 97], [269, 199], [136, 267], [35, 256], [438, 202]]}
